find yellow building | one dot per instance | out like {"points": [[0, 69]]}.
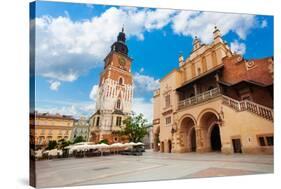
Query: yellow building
{"points": [[46, 127], [215, 101]]}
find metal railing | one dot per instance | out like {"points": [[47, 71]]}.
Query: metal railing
{"points": [[207, 95]]}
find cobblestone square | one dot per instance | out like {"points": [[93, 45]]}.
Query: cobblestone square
{"points": [[149, 167]]}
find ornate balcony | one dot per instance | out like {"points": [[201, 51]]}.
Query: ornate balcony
{"points": [[207, 95]]}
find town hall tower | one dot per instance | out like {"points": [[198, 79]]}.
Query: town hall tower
{"points": [[115, 93]]}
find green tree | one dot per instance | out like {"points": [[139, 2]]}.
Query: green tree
{"points": [[79, 139], [52, 145], [63, 143], [134, 128], [104, 141]]}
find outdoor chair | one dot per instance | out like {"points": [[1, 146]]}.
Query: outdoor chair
{"points": [[45, 156], [90, 153], [65, 153], [79, 154], [96, 153]]}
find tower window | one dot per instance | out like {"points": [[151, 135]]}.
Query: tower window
{"points": [[118, 121], [98, 121], [120, 81], [118, 104]]}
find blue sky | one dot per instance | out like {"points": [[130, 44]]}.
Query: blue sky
{"points": [[72, 40]]}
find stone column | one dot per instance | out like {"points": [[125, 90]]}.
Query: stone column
{"points": [[176, 99], [156, 148], [199, 141], [217, 81], [195, 89]]}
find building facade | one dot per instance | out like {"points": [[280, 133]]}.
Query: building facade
{"points": [[215, 101], [80, 128], [46, 127], [148, 139], [115, 93]]}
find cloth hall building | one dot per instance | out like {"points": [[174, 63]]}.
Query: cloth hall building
{"points": [[215, 101]]}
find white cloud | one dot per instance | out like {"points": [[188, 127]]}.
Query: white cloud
{"points": [[145, 82], [158, 19], [94, 92], [66, 49], [74, 109], [202, 24], [54, 85], [140, 105], [239, 48]]}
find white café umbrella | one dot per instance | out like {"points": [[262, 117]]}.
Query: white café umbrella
{"points": [[102, 146], [117, 145], [53, 152], [68, 147], [38, 154], [82, 143], [130, 144], [133, 143], [92, 146], [139, 143]]}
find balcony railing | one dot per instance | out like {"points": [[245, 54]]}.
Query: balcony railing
{"points": [[207, 95], [247, 105]]}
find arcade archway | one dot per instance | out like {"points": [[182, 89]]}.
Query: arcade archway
{"points": [[210, 130], [169, 146], [157, 140], [188, 134], [193, 140], [215, 138]]}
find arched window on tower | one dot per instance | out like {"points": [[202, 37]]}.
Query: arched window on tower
{"points": [[120, 81], [118, 104]]}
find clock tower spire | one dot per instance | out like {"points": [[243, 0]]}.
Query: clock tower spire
{"points": [[115, 93], [120, 45]]}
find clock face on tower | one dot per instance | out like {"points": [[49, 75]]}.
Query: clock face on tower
{"points": [[122, 61]]}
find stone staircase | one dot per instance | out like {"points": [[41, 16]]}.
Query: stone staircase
{"points": [[249, 106]]}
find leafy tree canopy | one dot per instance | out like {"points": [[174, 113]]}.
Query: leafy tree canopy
{"points": [[52, 145], [63, 143], [79, 139], [135, 128], [104, 141]]}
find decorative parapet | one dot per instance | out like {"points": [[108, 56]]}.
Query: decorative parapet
{"points": [[156, 93]]}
